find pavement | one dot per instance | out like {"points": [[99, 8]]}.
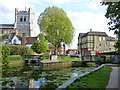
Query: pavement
{"points": [[114, 81]]}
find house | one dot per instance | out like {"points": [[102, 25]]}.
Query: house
{"points": [[92, 41], [18, 40], [61, 50], [71, 51]]}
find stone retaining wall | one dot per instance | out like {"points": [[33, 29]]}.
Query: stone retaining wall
{"points": [[54, 65]]}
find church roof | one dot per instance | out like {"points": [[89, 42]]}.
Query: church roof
{"points": [[6, 26]]}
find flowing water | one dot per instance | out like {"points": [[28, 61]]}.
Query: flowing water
{"points": [[26, 77]]}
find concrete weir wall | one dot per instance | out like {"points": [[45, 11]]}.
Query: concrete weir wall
{"points": [[57, 65]]}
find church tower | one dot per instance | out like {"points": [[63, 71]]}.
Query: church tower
{"points": [[24, 22]]}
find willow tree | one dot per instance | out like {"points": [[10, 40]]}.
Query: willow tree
{"points": [[113, 14], [57, 27]]}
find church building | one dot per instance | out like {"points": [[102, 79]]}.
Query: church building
{"points": [[24, 23]]}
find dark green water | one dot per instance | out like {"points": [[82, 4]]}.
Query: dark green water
{"points": [[27, 77]]}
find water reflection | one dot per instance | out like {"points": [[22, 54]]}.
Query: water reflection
{"points": [[22, 77]]}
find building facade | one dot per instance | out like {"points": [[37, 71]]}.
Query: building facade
{"points": [[92, 41]]}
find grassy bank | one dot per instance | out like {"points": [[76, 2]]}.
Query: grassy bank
{"points": [[97, 79], [68, 59]]}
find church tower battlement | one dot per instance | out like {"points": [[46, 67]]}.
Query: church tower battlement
{"points": [[24, 22]]}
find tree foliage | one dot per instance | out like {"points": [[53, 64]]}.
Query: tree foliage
{"points": [[55, 24], [41, 45], [113, 13]]}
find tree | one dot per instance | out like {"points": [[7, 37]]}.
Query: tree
{"points": [[113, 13], [57, 27], [41, 45]]}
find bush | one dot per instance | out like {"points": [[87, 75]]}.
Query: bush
{"points": [[20, 50], [15, 58], [5, 52]]}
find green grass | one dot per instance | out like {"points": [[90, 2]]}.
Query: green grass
{"points": [[68, 59], [97, 79]]}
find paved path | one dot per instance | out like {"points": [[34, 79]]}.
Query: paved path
{"points": [[114, 81]]}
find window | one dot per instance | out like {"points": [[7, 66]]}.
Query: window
{"points": [[104, 46], [2, 32], [25, 19], [15, 41], [112, 43], [21, 19], [100, 46], [99, 38], [109, 49], [104, 38]]}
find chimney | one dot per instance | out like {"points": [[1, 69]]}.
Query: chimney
{"points": [[90, 30], [23, 39]]}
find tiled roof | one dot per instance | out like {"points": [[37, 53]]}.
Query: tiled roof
{"points": [[30, 40], [6, 26], [95, 33], [11, 37]]}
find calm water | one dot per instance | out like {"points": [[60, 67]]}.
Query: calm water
{"points": [[26, 77]]}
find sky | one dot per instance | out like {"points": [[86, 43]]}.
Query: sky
{"points": [[84, 14]]}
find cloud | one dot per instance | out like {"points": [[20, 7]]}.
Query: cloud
{"points": [[84, 21]]}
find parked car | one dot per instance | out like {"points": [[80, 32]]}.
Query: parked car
{"points": [[75, 55]]}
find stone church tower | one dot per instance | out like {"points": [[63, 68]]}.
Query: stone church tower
{"points": [[24, 22]]}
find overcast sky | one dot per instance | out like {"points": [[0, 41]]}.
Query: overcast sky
{"points": [[84, 14]]}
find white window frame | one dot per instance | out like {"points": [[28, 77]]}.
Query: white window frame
{"points": [[99, 38]]}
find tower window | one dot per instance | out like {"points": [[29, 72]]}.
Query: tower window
{"points": [[25, 19], [21, 19]]}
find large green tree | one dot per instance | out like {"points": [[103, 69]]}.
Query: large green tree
{"points": [[113, 13], [57, 27], [40, 45]]}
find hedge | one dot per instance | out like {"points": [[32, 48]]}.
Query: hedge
{"points": [[110, 53], [20, 50], [4, 53], [15, 58]]}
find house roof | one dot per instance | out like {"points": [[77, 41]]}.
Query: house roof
{"points": [[30, 40], [6, 26], [94, 33], [80, 34]]}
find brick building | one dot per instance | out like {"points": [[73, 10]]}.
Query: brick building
{"points": [[61, 50], [92, 41]]}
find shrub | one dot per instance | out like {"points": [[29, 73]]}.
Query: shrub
{"points": [[5, 52], [20, 50]]}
